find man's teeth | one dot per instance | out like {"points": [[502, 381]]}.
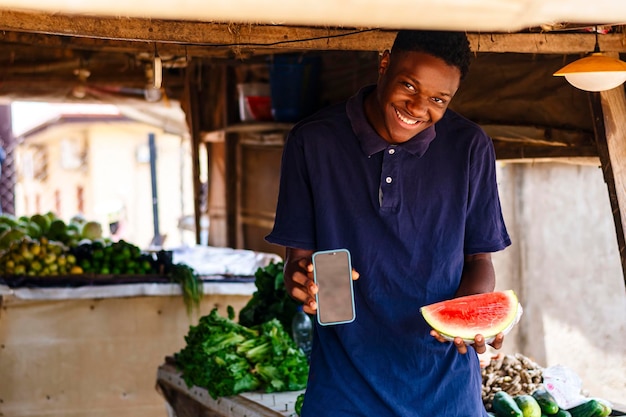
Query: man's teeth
{"points": [[404, 119]]}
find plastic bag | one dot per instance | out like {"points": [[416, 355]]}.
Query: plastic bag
{"points": [[564, 385]]}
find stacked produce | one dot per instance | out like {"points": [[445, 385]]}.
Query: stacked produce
{"points": [[256, 353], [541, 403], [37, 257], [44, 245], [227, 358], [513, 374], [105, 257], [39, 245], [513, 387], [47, 226]]}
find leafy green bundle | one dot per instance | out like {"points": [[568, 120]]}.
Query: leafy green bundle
{"points": [[227, 358], [270, 300]]}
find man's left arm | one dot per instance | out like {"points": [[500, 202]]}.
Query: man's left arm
{"points": [[478, 275]]}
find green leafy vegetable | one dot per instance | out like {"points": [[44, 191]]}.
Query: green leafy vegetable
{"points": [[227, 358], [270, 300], [190, 284]]}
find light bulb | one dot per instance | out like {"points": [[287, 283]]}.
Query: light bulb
{"points": [[152, 94]]}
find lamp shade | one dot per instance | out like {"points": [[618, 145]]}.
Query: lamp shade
{"points": [[596, 72]]}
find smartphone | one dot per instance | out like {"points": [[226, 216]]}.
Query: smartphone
{"points": [[332, 272]]}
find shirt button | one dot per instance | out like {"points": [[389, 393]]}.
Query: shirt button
{"points": [[388, 180], [392, 151]]}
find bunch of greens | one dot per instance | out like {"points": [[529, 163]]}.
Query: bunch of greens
{"points": [[270, 300], [190, 284], [227, 358]]}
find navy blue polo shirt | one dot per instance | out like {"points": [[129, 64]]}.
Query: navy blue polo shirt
{"points": [[408, 214]]}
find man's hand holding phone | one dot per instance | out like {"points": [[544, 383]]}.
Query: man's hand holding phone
{"points": [[333, 273], [298, 277]]}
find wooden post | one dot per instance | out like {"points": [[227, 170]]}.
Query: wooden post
{"points": [[609, 113], [191, 106]]}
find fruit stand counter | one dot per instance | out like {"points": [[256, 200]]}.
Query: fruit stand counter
{"points": [[92, 350], [196, 402]]}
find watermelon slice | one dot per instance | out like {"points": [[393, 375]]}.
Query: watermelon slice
{"points": [[486, 314]]}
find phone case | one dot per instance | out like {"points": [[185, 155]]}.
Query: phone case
{"points": [[335, 305]]}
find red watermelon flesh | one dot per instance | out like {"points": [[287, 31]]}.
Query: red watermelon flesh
{"points": [[486, 314]]}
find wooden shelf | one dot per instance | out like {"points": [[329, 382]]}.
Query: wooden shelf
{"points": [[251, 127]]}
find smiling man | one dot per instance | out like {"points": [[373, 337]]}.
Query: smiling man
{"points": [[409, 188]]}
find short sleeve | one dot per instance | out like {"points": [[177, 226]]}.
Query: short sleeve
{"points": [[485, 229], [294, 225]]}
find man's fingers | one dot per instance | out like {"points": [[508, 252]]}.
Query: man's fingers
{"points": [[310, 306], [305, 264], [479, 344], [460, 345], [498, 341], [302, 295]]}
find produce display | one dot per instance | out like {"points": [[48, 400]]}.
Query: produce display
{"points": [[256, 354], [37, 257], [505, 405], [227, 358], [487, 314], [44, 246], [513, 374], [41, 245], [513, 387]]}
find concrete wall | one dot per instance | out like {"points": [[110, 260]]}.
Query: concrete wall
{"points": [[564, 265]]}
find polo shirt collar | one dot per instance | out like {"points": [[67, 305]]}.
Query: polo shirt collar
{"points": [[370, 141]]}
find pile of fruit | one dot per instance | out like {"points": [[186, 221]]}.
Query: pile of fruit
{"points": [[44, 245], [37, 257]]}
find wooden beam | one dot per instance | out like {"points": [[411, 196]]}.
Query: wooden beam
{"points": [[609, 111], [539, 136], [246, 37], [508, 150]]}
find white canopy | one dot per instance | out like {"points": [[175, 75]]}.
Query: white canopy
{"points": [[469, 15]]}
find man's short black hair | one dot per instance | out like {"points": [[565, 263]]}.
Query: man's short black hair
{"points": [[452, 47]]}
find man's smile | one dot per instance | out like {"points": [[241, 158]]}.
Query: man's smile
{"points": [[406, 119]]}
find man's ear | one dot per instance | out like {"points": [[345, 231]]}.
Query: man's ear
{"points": [[383, 63]]}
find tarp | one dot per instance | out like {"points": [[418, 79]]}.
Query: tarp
{"points": [[471, 15]]}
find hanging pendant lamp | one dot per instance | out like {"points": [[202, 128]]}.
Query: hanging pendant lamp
{"points": [[595, 72]]}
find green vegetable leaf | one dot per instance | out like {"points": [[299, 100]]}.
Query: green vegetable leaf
{"points": [[227, 358], [270, 300]]}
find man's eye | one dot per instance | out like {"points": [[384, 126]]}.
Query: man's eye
{"points": [[439, 100], [409, 86]]}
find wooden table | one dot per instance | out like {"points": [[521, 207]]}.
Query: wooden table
{"points": [[196, 402]]}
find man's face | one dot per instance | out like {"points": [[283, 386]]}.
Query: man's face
{"points": [[413, 93]]}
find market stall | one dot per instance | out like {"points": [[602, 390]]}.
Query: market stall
{"points": [[91, 348], [503, 373]]}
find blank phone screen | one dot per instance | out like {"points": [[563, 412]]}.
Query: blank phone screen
{"points": [[333, 275]]}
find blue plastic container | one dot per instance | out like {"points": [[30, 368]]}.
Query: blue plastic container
{"points": [[294, 80]]}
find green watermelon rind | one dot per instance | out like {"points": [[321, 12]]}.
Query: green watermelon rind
{"points": [[489, 335]]}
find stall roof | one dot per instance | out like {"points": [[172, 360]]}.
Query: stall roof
{"points": [[105, 51], [470, 15]]}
